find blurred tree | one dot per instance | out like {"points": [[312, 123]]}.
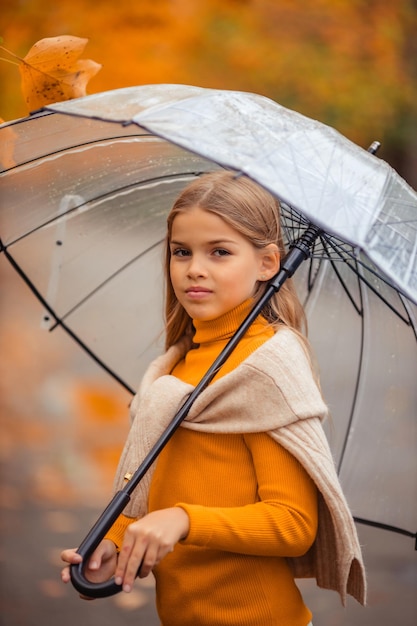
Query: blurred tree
{"points": [[349, 63]]}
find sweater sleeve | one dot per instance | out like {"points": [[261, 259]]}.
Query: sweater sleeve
{"points": [[117, 531], [282, 523]]}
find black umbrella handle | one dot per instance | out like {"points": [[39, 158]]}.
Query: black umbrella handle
{"points": [[299, 252], [90, 543]]}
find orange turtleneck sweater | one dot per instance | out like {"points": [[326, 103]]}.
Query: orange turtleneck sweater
{"points": [[250, 505]]}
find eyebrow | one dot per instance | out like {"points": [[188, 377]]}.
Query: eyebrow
{"points": [[214, 242]]}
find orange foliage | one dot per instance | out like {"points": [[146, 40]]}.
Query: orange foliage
{"points": [[100, 413], [97, 403]]}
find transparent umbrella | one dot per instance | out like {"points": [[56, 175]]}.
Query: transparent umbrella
{"points": [[85, 190]]}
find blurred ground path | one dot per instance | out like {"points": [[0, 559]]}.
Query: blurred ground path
{"points": [[31, 591], [62, 425]]}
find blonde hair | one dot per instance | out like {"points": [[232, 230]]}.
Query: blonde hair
{"points": [[255, 214]]}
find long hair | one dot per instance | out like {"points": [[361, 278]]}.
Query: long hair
{"points": [[255, 214]]}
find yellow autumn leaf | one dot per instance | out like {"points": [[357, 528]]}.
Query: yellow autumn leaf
{"points": [[52, 71]]}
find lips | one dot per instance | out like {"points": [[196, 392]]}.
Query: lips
{"points": [[197, 292], [197, 289]]}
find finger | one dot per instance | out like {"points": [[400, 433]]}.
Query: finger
{"points": [[96, 559], [133, 566], [149, 560], [130, 560], [105, 551], [71, 556], [65, 575], [122, 562]]}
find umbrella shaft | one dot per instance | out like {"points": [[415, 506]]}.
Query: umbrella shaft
{"points": [[299, 252]]}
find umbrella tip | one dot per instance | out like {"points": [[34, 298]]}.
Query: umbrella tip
{"points": [[374, 147]]}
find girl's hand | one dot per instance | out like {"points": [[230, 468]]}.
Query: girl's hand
{"points": [[148, 541], [100, 567]]}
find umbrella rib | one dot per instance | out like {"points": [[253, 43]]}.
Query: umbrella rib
{"points": [[108, 279], [394, 529], [137, 184], [343, 250], [358, 263], [312, 275], [381, 297], [406, 306], [358, 376], [59, 321], [74, 147], [358, 309]]}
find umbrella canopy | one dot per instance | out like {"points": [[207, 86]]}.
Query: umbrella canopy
{"points": [[70, 221], [331, 181], [85, 192]]}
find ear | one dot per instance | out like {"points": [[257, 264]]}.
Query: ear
{"points": [[269, 261]]}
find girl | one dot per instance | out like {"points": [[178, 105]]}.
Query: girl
{"points": [[244, 497]]}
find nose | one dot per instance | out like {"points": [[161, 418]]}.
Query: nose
{"points": [[196, 267]]}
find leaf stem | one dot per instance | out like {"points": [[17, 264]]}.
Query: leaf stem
{"points": [[11, 54], [9, 61]]}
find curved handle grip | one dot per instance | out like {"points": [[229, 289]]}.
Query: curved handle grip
{"points": [[89, 589], [90, 543]]}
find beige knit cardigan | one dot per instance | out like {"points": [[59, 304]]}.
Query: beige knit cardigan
{"points": [[272, 391]]}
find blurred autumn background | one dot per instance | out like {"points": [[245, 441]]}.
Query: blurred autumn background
{"points": [[348, 63]]}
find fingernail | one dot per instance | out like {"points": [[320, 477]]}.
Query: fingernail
{"points": [[118, 580], [93, 565], [127, 588]]}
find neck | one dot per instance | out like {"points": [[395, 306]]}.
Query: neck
{"points": [[210, 338], [222, 328]]}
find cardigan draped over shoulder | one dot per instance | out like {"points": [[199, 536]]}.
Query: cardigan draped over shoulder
{"points": [[272, 391]]}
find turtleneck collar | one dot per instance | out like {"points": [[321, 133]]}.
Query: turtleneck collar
{"points": [[223, 327]]}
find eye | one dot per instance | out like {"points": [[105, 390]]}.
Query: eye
{"points": [[180, 252], [221, 252]]}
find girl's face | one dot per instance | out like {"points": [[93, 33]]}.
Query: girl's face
{"points": [[213, 268]]}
